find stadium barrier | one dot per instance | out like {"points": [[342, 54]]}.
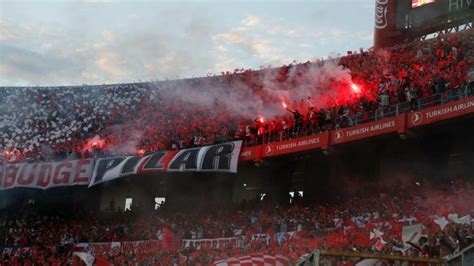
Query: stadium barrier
{"points": [[332, 257], [426, 111], [458, 93], [464, 258]]}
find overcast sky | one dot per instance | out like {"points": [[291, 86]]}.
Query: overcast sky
{"points": [[90, 42]]}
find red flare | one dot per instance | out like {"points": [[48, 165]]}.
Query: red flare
{"points": [[94, 143], [261, 119], [355, 88]]}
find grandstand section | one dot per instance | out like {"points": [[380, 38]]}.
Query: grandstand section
{"points": [[366, 159]]}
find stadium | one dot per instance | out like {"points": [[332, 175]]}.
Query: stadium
{"points": [[360, 159]]}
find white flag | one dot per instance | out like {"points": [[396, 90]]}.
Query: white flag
{"points": [[375, 233], [87, 258], [453, 217], [463, 220], [411, 234], [442, 222]]}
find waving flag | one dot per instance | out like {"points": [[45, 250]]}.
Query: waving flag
{"points": [[255, 259], [87, 258]]}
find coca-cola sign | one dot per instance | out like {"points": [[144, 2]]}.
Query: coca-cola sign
{"points": [[381, 8]]}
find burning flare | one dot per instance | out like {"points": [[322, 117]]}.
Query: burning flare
{"points": [[355, 88]]}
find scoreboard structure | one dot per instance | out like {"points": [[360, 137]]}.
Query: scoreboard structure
{"points": [[400, 20]]}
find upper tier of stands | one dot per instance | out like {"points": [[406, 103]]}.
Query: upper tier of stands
{"points": [[53, 123]]}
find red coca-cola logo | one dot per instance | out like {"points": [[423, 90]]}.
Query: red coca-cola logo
{"points": [[381, 8]]}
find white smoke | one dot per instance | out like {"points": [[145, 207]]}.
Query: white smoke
{"points": [[128, 145], [237, 97]]}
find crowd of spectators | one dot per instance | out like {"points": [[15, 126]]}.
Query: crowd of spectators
{"points": [[372, 223], [51, 123]]}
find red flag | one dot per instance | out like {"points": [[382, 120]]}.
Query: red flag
{"points": [[380, 244], [167, 239], [101, 261]]}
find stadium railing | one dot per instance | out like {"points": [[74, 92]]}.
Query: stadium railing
{"points": [[463, 258], [458, 93], [422, 103], [332, 257]]}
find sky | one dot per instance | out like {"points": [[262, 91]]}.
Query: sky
{"points": [[101, 42]]}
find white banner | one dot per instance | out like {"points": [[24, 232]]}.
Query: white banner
{"points": [[215, 158], [206, 244], [126, 247], [107, 169], [280, 237], [46, 175]]}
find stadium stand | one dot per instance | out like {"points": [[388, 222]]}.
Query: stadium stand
{"points": [[390, 222], [57, 123], [89, 121]]}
